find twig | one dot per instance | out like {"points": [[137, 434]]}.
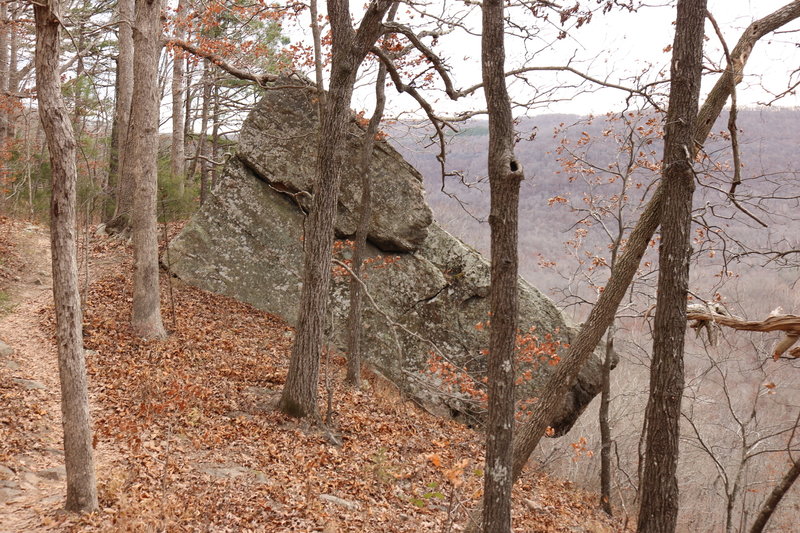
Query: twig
{"points": [[733, 129]]}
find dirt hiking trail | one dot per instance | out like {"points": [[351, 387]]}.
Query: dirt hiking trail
{"points": [[32, 475]]}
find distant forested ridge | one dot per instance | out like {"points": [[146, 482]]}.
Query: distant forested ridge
{"points": [[768, 143]]}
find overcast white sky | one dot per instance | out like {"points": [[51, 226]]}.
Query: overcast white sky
{"points": [[615, 46]]}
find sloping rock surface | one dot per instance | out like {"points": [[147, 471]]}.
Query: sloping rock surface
{"points": [[278, 143], [247, 242]]}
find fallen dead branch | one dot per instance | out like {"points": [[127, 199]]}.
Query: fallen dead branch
{"points": [[789, 324]]}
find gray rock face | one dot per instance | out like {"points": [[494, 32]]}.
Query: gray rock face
{"points": [[278, 143], [246, 242]]}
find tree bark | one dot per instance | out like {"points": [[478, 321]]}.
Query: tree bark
{"points": [[177, 154], [120, 178], [605, 428], [4, 68], [188, 122], [349, 47], [13, 73], [659, 489], [201, 145], [215, 123], [355, 311], [604, 311], [505, 176], [78, 458], [775, 498], [146, 317], [318, 61]]}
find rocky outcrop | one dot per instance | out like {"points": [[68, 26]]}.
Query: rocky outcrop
{"points": [[278, 143], [430, 288]]}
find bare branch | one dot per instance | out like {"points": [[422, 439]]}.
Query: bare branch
{"points": [[260, 79], [572, 70]]}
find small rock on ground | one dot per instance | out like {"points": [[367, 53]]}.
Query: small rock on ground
{"points": [[6, 472], [29, 384], [54, 474], [339, 501], [6, 350]]}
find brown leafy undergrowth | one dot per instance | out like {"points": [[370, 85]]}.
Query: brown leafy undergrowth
{"points": [[189, 439]]}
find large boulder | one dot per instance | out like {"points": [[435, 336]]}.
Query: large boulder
{"points": [[430, 288], [279, 144]]}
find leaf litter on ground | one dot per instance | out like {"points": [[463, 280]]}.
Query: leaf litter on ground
{"points": [[188, 438]]}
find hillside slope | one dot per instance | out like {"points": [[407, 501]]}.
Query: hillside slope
{"points": [[187, 437]]}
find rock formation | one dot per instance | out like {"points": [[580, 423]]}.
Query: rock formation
{"points": [[247, 242]]}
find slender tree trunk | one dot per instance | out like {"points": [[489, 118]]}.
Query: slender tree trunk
{"points": [[505, 176], [13, 69], [214, 136], [354, 323], [659, 508], [354, 328], [78, 458], [120, 176], [202, 144], [4, 67], [188, 123], [299, 396], [77, 95], [177, 154], [318, 60], [112, 180], [605, 428], [775, 497], [146, 318], [199, 149]]}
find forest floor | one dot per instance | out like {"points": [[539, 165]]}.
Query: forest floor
{"points": [[186, 434]]}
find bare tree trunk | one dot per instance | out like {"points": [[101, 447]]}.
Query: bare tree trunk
{"points": [[78, 458], [775, 498], [188, 123], [605, 428], [201, 146], [214, 136], [359, 247], [603, 313], [505, 176], [112, 180], [79, 41], [318, 60], [659, 489], [354, 328], [4, 67], [177, 154], [13, 73], [146, 318], [201, 138], [299, 396], [120, 176]]}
